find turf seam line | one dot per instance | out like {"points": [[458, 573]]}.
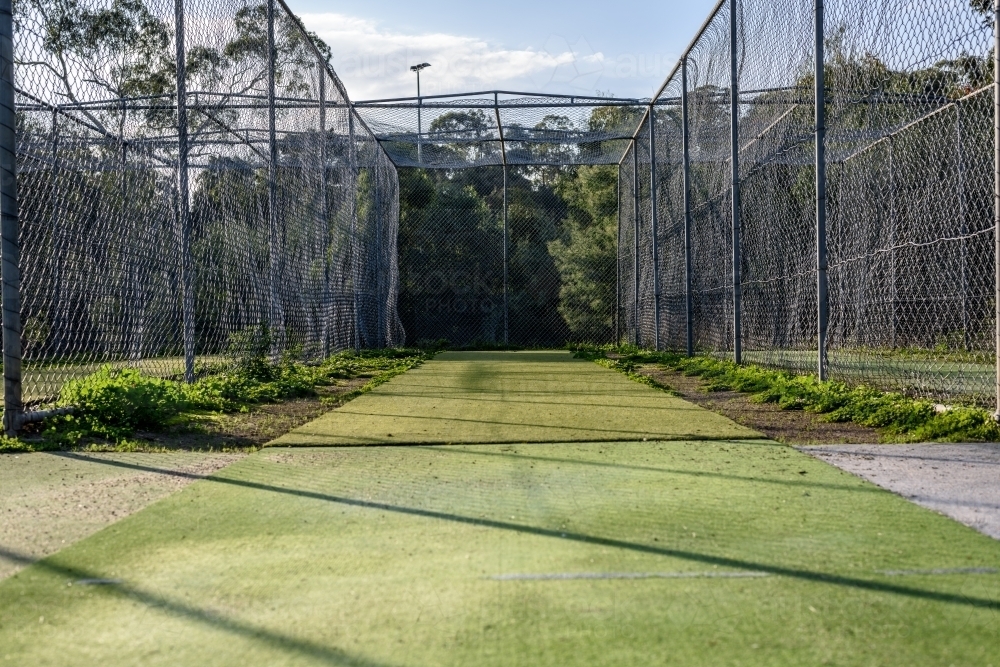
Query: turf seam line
{"points": [[571, 576]]}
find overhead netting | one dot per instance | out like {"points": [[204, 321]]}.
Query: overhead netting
{"points": [[285, 239], [910, 226]]}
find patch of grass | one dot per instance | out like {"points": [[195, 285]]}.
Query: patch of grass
{"points": [[409, 556], [111, 405], [898, 417]]}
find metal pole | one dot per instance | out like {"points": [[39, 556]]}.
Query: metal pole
{"points": [[688, 269], [57, 250], [618, 266], [276, 323], [963, 227], [380, 284], [734, 110], [324, 215], [506, 261], [635, 215], [9, 228], [996, 193], [823, 313], [420, 129], [653, 224], [183, 213], [352, 152]]}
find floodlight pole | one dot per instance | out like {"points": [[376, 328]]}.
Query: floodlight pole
{"points": [[420, 104], [57, 240], [734, 110], [506, 260], [689, 320], [821, 256], [653, 224], [10, 249]]}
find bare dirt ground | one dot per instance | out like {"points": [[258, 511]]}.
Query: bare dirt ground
{"points": [[794, 427], [959, 481], [49, 500]]}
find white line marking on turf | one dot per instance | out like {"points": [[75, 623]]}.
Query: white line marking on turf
{"points": [[570, 576], [955, 570]]}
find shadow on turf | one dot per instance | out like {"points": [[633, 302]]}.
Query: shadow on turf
{"points": [[326, 654], [708, 559], [865, 488]]}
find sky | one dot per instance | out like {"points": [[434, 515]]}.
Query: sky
{"points": [[624, 49]]}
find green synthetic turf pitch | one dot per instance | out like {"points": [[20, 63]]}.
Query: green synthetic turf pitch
{"points": [[502, 397], [728, 552]]}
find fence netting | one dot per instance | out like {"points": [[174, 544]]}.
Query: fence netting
{"points": [[286, 240], [910, 226], [267, 212]]}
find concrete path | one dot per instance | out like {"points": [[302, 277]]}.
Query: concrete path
{"points": [[960, 481]]}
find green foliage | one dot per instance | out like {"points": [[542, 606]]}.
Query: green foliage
{"points": [[899, 417], [114, 403], [585, 253]]}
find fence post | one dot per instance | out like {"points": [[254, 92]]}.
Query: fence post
{"points": [[10, 250], [57, 250], [324, 214], [618, 265], [635, 216], [506, 262], [996, 193], [685, 139], [183, 213], [380, 285], [352, 153], [653, 224], [823, 313], [734, 111], [276, 319]]}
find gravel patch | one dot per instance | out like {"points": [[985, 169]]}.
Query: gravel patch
{"points": [[959, 481], [50, 500]]}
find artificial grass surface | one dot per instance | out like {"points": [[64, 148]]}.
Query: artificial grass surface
{"points": [[404, 556], [511, 397]]}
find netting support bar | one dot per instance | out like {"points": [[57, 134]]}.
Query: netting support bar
{"points": [[10, 249], [352, 156], [734, 110], [506, 262], [996, 195], [183, 210], [276, 325], [653, 223], [822, 296], [324, 216], [635, 237], [618, 265], [688, 269]]}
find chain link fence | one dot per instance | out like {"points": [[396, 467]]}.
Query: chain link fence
{"points": [[192, 184], [904, 223]]}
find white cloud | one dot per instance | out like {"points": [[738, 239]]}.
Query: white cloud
{"points": [[374, 62]]}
